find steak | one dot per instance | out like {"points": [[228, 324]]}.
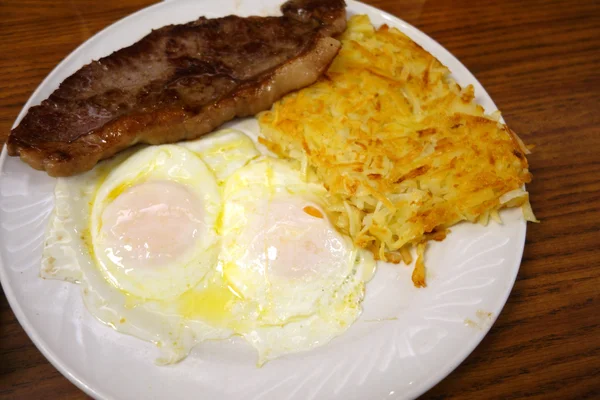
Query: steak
{"points": [[177, 83]]}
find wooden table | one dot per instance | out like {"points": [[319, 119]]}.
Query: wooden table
{"points": [[540, 62]]}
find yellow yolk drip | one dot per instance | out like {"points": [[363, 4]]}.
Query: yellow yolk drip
{"points": [[212, 304]]}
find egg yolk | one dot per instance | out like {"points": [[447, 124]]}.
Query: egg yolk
{"points": [[288, 243], [300, 244], [151, 223]]}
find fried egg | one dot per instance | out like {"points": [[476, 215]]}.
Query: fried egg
{"points": [[178, 244], [152, 228], [288, 280]]}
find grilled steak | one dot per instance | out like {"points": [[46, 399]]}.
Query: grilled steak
{"points": [[179, 82]]}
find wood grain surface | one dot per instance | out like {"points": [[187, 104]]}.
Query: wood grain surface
{"points": [[540, 62]]}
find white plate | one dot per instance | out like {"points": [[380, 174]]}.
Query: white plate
{"points": [[405, 342]]}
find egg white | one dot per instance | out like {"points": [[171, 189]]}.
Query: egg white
{"points": [[224, 151]]}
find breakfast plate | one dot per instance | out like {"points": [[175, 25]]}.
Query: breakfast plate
{"points": [[405, 341]]}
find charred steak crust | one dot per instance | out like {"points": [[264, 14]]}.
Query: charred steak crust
{"points": [[178, 82]]}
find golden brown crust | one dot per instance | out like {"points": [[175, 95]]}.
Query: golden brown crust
{"points": [[404, 152]]}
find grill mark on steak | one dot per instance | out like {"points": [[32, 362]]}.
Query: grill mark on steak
{"points": [[178, 82]]}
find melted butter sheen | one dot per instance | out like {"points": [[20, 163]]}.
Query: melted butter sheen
{"points": [[212, 304]]}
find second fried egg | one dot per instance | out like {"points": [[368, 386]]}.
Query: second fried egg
{"points": [[287, 281]]}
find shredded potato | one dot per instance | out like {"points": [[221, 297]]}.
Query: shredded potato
{"points": [[403, 150]]}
